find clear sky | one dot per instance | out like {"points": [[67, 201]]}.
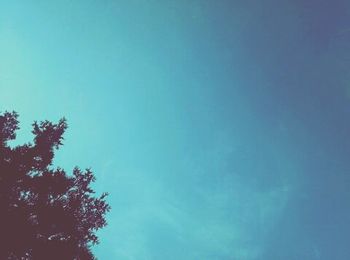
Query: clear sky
{"points": [[219, 128]]}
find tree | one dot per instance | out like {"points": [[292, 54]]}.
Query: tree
{"points": [[44, 212]]}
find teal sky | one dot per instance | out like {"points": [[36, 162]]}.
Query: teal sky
{"points": [[219, 128]]}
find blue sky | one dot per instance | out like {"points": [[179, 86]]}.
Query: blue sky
{"points": [[219, 128]]}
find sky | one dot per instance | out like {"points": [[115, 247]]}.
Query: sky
{"points": [[219, 128]]}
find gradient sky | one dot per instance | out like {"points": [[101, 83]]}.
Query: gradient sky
{"points": [[219, 128]]}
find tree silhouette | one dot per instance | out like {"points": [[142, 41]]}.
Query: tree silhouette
{"points": [[44, 213]]}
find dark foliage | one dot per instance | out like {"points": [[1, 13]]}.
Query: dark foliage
{"points": [[44, 213]]}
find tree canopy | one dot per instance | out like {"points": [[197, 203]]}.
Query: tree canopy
{"points": [[45, 213]]}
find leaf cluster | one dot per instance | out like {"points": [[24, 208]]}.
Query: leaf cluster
{"points": [[45, 213]]}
